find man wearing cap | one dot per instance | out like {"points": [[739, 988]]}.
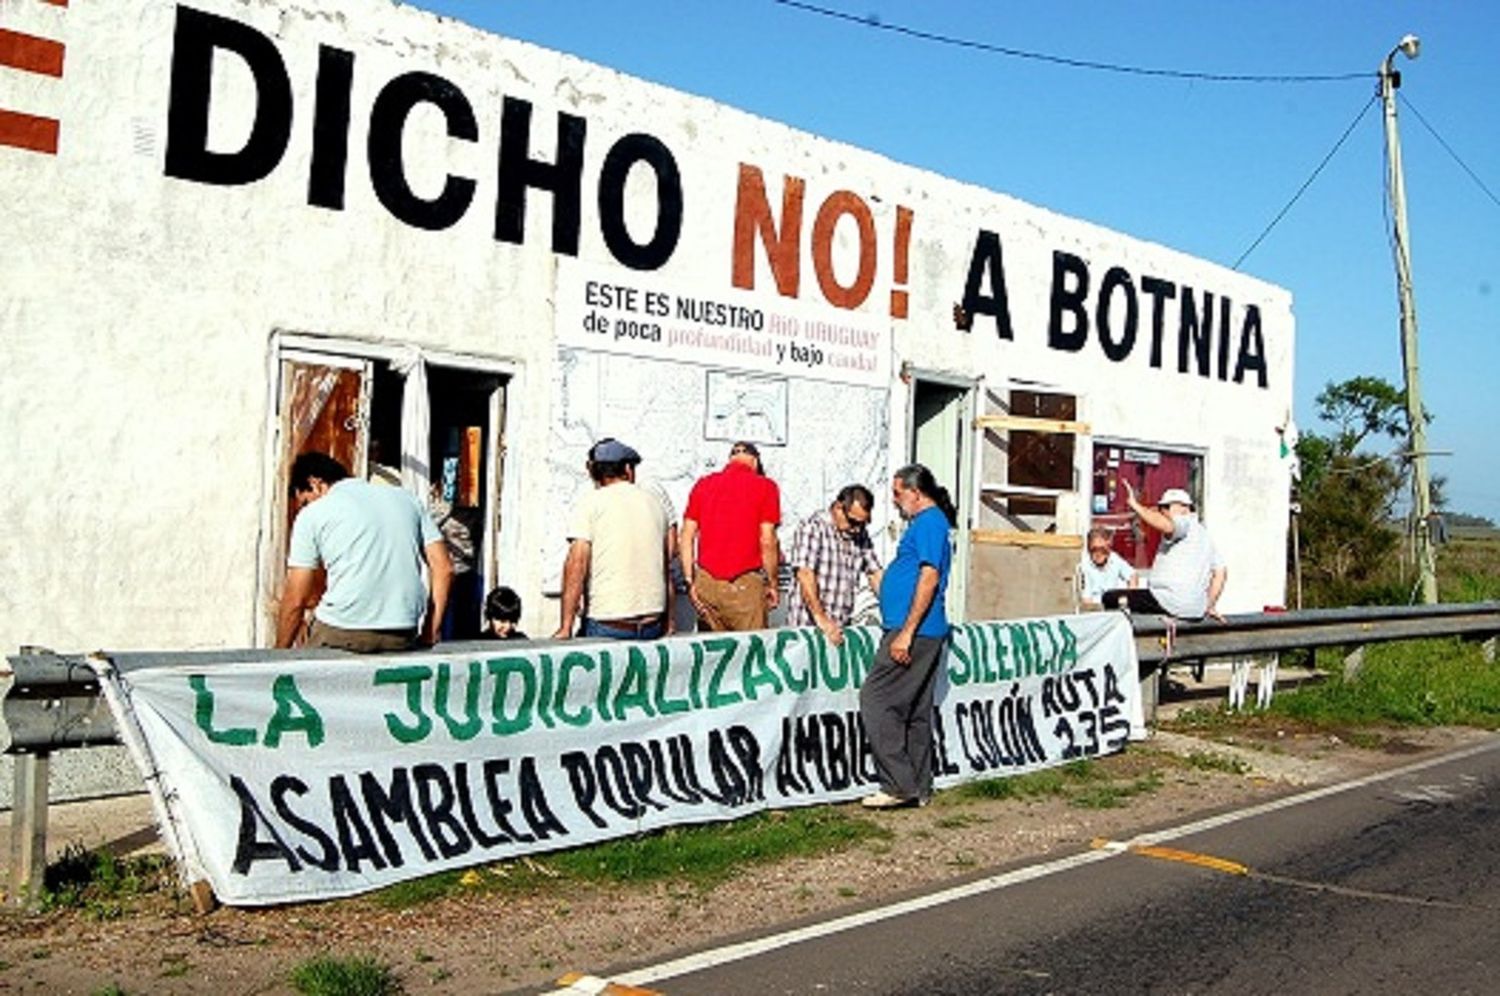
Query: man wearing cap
{"points": [[728, 544], [1188, 574], [616, 570]]}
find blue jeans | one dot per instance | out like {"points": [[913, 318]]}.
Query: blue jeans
{"points": [[644, 631]]}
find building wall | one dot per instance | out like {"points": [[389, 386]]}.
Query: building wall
{"points": [[142, 291]]}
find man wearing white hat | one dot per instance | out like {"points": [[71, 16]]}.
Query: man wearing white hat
{"points": [[1188, 574]]}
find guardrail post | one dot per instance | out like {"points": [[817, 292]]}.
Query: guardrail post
{"points": [[1353, 662], [28, 831], [1150, 683], [1488, 649]]}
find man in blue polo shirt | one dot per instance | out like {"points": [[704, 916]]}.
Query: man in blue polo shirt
{"points": [[372, 540], [895, 700]]}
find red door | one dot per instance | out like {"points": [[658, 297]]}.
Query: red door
{"points": [[1150, 472]]}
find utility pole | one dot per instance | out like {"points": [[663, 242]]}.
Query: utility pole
{"points": [[1421, 494]]}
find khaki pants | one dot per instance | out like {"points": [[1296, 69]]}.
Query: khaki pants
{"points": [[738, 604], [361, 641]]}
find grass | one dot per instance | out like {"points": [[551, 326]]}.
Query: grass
{"points": [[1439, 682], [1047, 783], [1112, 795], [1469, 566], [1084, 784], [100, 884], [700, 856], [1205, 761], [329, 976], [1442, 682], [1468, 570]]}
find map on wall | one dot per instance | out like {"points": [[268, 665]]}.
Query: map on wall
{"points": [[812, 440], [745, 406]]}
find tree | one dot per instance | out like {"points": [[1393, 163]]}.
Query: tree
{"points": [[1348, 494]]}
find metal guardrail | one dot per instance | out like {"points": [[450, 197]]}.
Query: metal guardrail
{"points": [[51, 702], [1268, 632]]}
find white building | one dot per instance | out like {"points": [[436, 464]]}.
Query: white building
{"points": [[233, 228]]}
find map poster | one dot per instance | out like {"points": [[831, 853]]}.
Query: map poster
{"points": [[750, 407], [617, 311]]}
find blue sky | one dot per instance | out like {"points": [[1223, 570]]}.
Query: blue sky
{"points": [[1199, 166]]}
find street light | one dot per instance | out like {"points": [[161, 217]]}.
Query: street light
{"points": [[1421, 494]]}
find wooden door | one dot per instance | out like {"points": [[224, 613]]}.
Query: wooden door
{"points": [[322, 406]]}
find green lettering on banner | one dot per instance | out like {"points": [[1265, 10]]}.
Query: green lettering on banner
{"points": [[1049, 661], [756, 671], [988, 674], [544, 699], [664, 705], [861, 646], [469, 728], [695, 688], [606, 679], [635, 689], [502, 669], [573, 659], [294, 714], [203, 715], [723, 646], [999, 667], [1021, 650], [961, 672], [1068, 658], [833, 681], [814, 645], [412, 676], [783, 637]]}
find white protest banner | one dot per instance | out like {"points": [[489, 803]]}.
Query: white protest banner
{"points": [[598, 308], [298, 779]]}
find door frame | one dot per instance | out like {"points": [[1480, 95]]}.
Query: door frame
{"points": [[962, 490], [501, 537]]}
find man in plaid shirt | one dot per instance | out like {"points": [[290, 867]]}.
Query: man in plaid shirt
{"points": [[829, 553]]}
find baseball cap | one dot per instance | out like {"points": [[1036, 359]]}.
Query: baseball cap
{"points": [[1174, 496], [610, 450]]}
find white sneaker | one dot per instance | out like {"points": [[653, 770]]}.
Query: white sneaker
{"points": [[884, 800]]}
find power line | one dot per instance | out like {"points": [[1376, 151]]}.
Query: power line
{"points": [[1059, 60], [1449, 149], [1306, 183]]}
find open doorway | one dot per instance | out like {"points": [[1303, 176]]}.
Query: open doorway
{"points": [[457, 465], [352, 407], [942, 409]]}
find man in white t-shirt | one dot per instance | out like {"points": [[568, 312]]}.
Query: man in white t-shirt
{"points": [[1102, 569], [616, 573], [1188, 574]]}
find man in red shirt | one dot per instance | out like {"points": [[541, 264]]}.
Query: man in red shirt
{"points": [[728, 543]]}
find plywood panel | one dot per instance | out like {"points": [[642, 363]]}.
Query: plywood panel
{"points": [[1010, 582]]}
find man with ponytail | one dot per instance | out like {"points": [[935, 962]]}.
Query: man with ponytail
{"points": [[895, 701]]}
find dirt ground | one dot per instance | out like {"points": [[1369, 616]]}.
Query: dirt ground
{"points": [[490, 942]]}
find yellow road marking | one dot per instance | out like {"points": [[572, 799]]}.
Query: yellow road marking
{"points": [[1173, 854], [579, 982]]}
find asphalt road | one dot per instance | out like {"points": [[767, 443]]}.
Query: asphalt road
{"points": [[1392, 886]]}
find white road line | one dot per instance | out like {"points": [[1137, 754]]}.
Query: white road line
{"points": [[749, 949]]}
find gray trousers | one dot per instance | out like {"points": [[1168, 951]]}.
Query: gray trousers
{"points": [[895, 703]]}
